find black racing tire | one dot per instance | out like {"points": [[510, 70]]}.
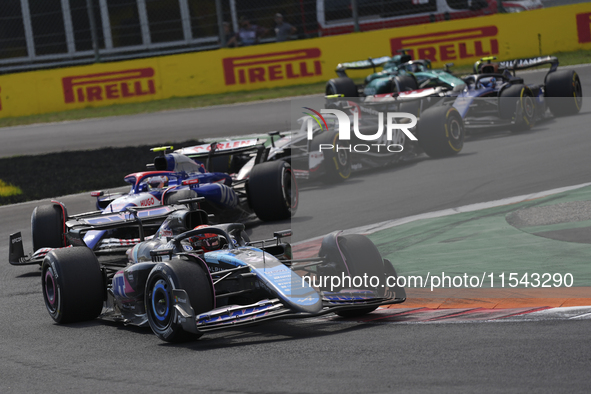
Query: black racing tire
{"points": [[362, 258], [564, 83], [73, 285], [405, 83], [273, 191], [441, 131], [337, 164], [47, 226], [182, 272], [518, 96], [344, 85]]}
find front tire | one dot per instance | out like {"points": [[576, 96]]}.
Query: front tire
{"points": [[441, 131], [47, 227], [405, 83], [73, 285], [337, 163], [514, 99], [344, 85], [179, 273], [273, 191], [566, 85]]}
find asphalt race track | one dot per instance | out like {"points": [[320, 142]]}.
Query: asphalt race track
{"points": [[154, 128], [319, 356]]}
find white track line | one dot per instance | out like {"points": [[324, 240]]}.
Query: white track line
{"points": [[372, 228]]}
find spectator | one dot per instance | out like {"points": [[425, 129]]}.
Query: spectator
{"points": [[248, 34], [283, 30], [228, 34]]}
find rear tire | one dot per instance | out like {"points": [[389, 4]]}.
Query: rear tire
{"points": [[564, 83], [179, 273], [441, 131], [47, 226], [73, 285], [405, 83], [343, 85], [518, 96], [273, 191]]}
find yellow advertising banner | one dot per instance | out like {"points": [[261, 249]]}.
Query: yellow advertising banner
{"points": [[506, 36]]}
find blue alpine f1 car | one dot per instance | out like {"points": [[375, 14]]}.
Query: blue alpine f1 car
{"points": [[190, 278]]}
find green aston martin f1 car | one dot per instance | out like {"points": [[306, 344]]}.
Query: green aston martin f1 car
{"points": [[399, 73]]}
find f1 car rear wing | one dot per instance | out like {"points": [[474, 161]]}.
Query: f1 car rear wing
{"points": [[403, 57], [223, 148], [520, 64], [523, 64], [232, 147], [217, 147], [361, 65]]}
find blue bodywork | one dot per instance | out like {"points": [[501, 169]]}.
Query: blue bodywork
{"points": [[274, 289]]}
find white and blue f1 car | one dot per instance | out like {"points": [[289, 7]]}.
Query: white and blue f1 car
{"points": [[269, 191]]}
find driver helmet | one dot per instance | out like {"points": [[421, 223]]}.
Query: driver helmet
{"points": [[158, 182], [207, 242], [490, 83], [413, 67]]}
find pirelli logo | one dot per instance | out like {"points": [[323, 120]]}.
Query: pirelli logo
{"points": [[109, 86], [301, 63], [450, 45], [584, 27]]}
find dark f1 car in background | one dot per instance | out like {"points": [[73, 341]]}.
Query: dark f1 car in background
{"points": [[438, 132], [494, 95], [292, 146], [331, 165], [561, 91], [184, 282]]}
